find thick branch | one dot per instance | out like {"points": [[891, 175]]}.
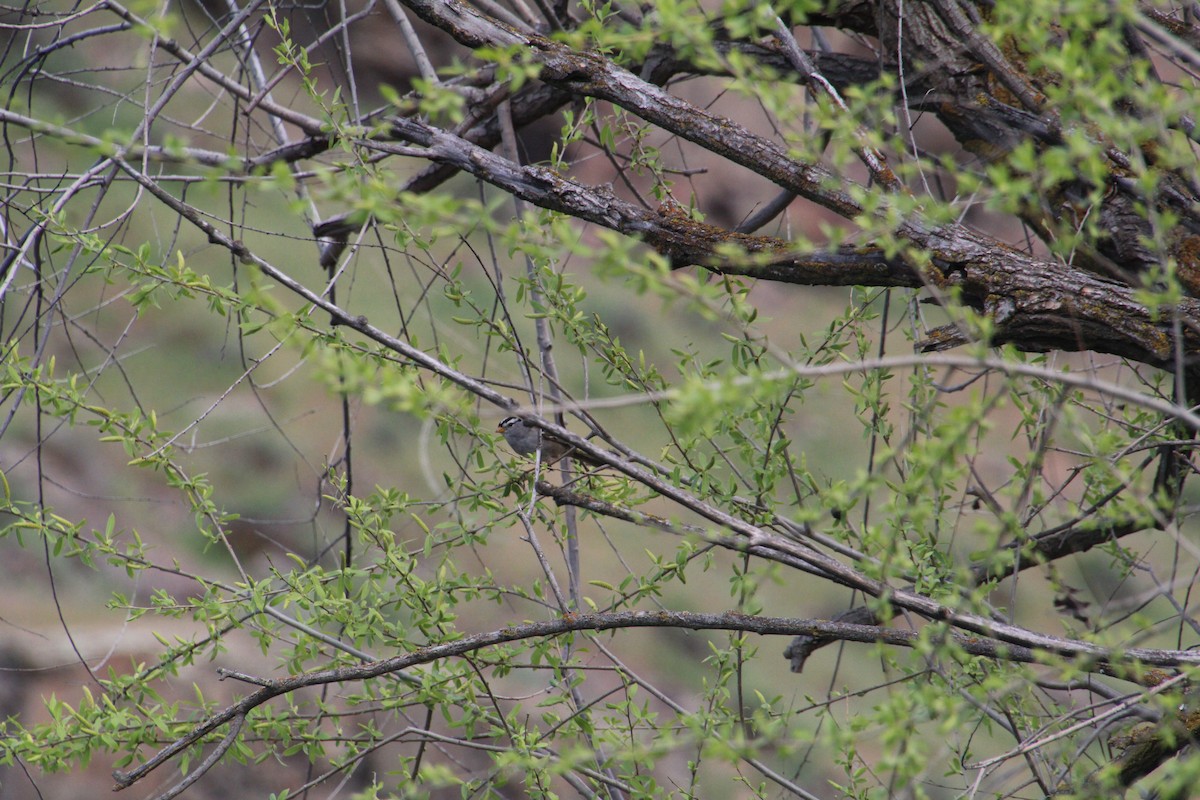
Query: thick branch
{"points": [[1037, 305], [593, 75]]}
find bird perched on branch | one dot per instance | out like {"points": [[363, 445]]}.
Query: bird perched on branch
{"points": [[527, 439]]}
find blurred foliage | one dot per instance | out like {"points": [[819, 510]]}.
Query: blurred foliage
{"points": [[240, 452]]}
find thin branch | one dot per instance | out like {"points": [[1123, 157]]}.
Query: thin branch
{"points": [[820, 86], [1097, 658]]}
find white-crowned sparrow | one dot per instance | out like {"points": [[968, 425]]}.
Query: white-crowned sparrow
{"points": [[527, 439]]}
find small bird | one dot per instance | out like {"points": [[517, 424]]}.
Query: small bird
{"points": [[526, 440]]}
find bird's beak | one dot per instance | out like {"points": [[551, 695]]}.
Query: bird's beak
{"points": [[499, 429]]}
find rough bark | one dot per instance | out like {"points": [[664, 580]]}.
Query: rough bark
{"points": [[1036, 304]]}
